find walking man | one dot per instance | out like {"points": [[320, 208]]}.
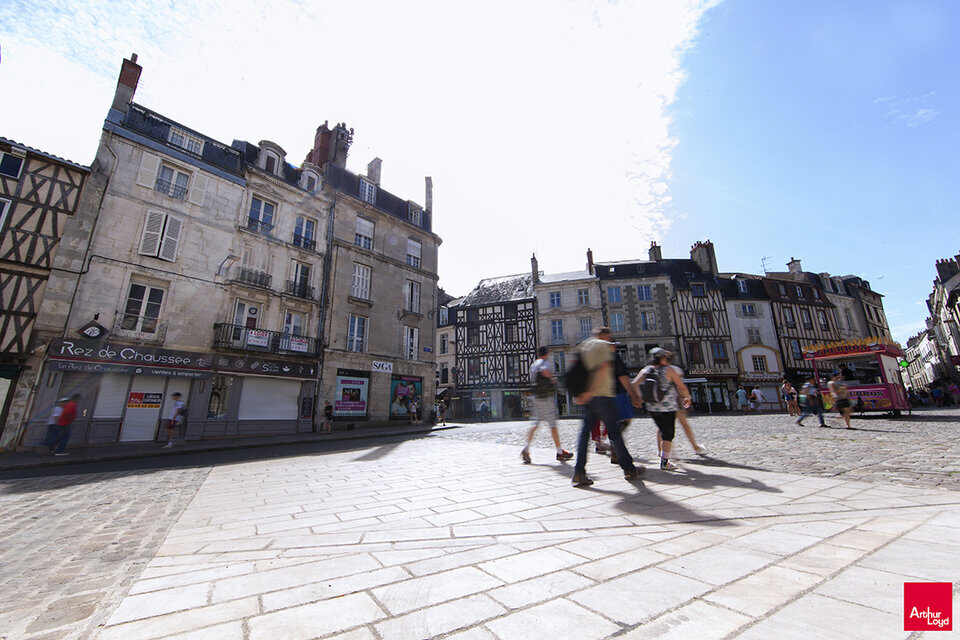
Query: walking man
{"points": [[58, 429], [544, 404], [673, 395], [757, 399], [814, 402], [175, 419], [742, 399], [599, 401], [327, 418]]}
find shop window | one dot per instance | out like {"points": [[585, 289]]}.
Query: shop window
{"points": [[364, 234], [269, 399], [220, 388], [141, 312], [161, 236]]}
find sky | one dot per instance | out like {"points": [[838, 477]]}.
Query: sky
{"points": [[825, 131]]}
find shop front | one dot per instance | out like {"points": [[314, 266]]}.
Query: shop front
{"points": [[126, 393]]}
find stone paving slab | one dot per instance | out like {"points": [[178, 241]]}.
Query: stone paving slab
{"points": [[712, 552]]}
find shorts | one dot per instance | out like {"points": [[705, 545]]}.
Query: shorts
{"points": [[545, 409], [624, 407], [843, 403], [666, 422]]}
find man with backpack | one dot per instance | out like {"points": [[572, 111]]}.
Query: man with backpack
{"points": [[599, 399], [664, 393], [544, 404]]}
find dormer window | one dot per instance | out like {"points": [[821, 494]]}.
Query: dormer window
{"points": [[311, 183], [698, 290], [368, 191], [10, 165], [742, 286], [270, 163], [184, 140], [416, 215]]}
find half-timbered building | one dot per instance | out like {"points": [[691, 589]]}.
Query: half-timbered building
{"points": [[802, 315], [39, 194]]}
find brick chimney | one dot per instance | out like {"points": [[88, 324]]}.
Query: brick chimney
{"points": [[794, 266], [654, 252], [330, 145], [703, 254], [946, 269], [590, 268], [428, 196], [535, 268], [373, 170], [126, 84]]}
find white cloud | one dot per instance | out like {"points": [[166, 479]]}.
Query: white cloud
{"points": [[543, 124], [907, 110]]}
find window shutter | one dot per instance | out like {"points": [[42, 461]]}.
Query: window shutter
{"points": [[199, 189], [365, 227], [149, 167], [171, 239], [150, 241]]}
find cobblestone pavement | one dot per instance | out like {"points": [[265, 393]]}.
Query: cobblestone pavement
{"points": [[73, 544], [922, 450]]}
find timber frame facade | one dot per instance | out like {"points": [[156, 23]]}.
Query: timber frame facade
{"points": [[39, 193], [802, 316]]}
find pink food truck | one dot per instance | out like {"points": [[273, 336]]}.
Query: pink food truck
{"points": [[871, 370]]}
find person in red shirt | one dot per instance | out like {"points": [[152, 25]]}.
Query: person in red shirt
{"points": [[68, 413]]}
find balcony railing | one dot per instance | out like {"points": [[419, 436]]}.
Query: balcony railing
{"points": [[235, 336], [173, 190], [299, 289], [258, 226], [303, 241], [254, 277]]}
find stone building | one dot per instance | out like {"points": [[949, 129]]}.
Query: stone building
{"points": [[446, 352], [39, 195], [223, 272]]}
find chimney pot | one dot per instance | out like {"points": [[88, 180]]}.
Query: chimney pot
{"points": [[428, 197], [373, 170], [590, 268]]}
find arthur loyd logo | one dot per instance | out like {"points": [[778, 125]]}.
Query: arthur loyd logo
{"points": [[927, 606]]}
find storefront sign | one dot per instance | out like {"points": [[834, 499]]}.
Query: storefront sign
{"points": [[258, 338], [264, 367], [851, 347], [382, 367], [351, 393], [139, 400], [403, 390], [123, 369], [89, 351]]}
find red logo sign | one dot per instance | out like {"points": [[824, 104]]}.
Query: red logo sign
{"points": [[927, 606]]}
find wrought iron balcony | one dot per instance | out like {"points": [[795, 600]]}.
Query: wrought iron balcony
{"points": [[143, 328], [303, 241], [299, 289], [239, 337], [254, 277], [173, 190], [258, 226]]}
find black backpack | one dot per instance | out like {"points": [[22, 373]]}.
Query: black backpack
{"points": [[650, 389], [577, 377]]}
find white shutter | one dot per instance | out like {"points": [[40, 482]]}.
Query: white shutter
{"points": [[150, 241], [171, 239], [365, 227], [149, 167], [199, 188]]}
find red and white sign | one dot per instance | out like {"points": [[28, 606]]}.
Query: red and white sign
{"points": [[927, 606]]}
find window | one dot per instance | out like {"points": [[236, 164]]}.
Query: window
{"points": [[304, 233], [300, 285], [559, 362], [719, 351], [748, 310], [444, 316], [357, 334], [473, 336], [184, 140], [142, 309], [753, 335], [796, 350], [647, 321], [261, 216], [622, 352], [782, 290], [846, 316], [4, 207], [510, 332], [310, 183], [704, 319], [613, 294], [816, 294], [368, 191], [583, 296], [554, 299], [759, 363], [172, 182], [413, 252], [807, 321], [364, 236], [293, 323], [513, 367], [473, 368], [586, 327], [643, 292], [411, 342], [698, 290], [444, 343], [742, 286], [556, 331], [444, 375], [413, 296], [161, 236], [361, 282], [616, 322], [822, 318], [788, 317], [270, 164], [799, 291], [694, 353], [416, 215], [10, 165]]}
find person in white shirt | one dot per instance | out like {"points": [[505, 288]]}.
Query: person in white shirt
{"points": [[175, 418], [544, 404], [757, 399]]}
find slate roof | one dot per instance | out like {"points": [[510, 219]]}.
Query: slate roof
{"points": [[38, 152], [503, 289], [549, 278]]}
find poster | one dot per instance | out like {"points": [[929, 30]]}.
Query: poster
{"points": [[144, 400], [403, 389], [258, 338], [350, 397]]}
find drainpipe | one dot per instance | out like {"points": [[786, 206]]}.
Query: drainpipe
{"points": [[324, 304]]}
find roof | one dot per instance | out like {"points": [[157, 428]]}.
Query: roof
{"points": [[502, 289], [340, 178], [38, 152], [550, 278]]}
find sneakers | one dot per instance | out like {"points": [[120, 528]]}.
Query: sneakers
{"points": [[800, 422], [526, 456], [61, 453], [633, 475], [581, 480], [666, 465], [701, 451], [168, 445], [564, 455]]}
